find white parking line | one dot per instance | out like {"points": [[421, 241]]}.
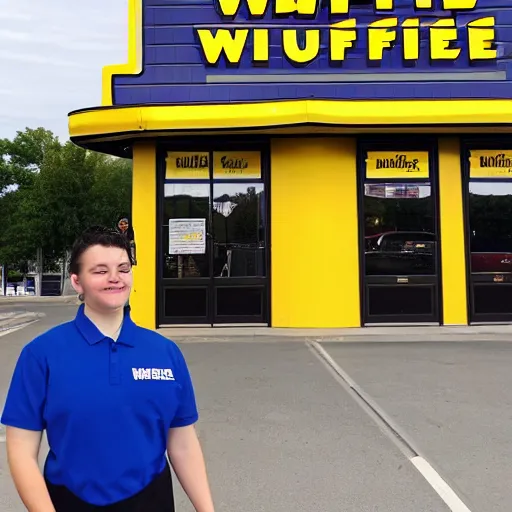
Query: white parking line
{"points": [[9, 331], [445, 492], [17, 327]]}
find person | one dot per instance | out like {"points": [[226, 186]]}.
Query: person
{"points": [[124, 227], [116, 400]]}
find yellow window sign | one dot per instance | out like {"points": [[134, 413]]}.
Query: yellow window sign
{"points": [[408, 165], [187, 166], [236, 165], [490, 163]]}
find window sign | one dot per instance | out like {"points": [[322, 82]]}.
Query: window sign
{"points": [[187, 236], [397, 165], [187, 166], [484, 163], [236, 165]]}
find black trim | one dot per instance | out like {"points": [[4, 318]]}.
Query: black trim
{"points": [[481, 142], [211, 284], [123, 147], [406, 143]]}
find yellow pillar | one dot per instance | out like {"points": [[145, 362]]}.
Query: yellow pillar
{"points": [[453, 255], [314, 225], [143, 297]]}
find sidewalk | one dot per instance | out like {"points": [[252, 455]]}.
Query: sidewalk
{"points": [[382, 334], [31, 299]]}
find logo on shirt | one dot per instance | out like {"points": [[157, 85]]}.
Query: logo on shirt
{"points": [[152, 374]]}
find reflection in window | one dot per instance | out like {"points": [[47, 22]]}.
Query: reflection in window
{"points": [[186, 201], [239, 230], [490, 224], [400, 235]]}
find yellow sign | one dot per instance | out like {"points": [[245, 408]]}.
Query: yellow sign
{"points": [[236, 164], [484, 163], [408, 165], [441, 37], [187, 166]]}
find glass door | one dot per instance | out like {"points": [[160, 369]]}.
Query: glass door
{"points": [[490, 245], [186, 253], [214, 239], [400, 239], [239, 252]]}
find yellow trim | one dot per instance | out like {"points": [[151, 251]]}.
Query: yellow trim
{"points": [[143, 297], [134, 64], [453, 255], [314, 226], [104, 121]]}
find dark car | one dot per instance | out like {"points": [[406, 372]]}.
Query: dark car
{"points": [[400, 253]]}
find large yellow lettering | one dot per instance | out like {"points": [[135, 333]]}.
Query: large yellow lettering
{"points": [[230, 8], [379, 37], [442, 33], [341, 37], [338, 7], [459, 4], [223, 41], [261, 46], [424, 4], [411, 36], [481, 36], [384, 5], [299, 56], [303, 8]]}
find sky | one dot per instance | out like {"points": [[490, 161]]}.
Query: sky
{"points": [[51, 56]]}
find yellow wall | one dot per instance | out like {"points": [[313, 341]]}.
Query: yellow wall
{"points": [[314, 252], [143, 297], [453, 256]]}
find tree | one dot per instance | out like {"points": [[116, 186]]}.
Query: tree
{"points": [[60, 190], [22, 157]]}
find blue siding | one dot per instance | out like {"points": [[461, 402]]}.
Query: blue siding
{"points": [[174, 71]]}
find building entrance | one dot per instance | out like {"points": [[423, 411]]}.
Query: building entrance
{"points": [[489, 233], [399, 230], [214, 257]]}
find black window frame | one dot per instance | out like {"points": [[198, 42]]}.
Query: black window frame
{"points": [[467, 144], [400, 142], [210, 145]]}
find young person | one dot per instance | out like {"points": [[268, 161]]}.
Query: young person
{"points": [[114, 399]]}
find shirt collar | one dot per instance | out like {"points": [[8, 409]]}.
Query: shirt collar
{"points": [[93, 335]]}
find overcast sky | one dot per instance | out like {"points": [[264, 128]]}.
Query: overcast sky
{"points": [[51, 56]]}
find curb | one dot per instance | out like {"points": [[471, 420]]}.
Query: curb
{"points": [[473, 338]]}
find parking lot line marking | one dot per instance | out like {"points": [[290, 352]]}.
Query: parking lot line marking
{"points": [[445, 492], [10, 330]]}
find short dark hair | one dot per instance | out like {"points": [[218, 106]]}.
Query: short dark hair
{"points": [[97, 235]]}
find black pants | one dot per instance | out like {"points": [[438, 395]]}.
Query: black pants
{"points": [[156, 497]]}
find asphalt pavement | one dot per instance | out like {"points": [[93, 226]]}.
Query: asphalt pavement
{"points": [[296, 425]]}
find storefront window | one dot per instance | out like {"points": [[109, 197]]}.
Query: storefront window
{"points": [[186, 218], [239, 229], [214, 238], [490, 214], [400, 230]]}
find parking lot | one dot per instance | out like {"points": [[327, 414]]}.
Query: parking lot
{"points": [[360, 427]]}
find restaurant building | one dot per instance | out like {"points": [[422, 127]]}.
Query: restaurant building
{"points": [[315, 163]]}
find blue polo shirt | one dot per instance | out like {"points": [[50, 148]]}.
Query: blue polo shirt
{"points": [[107, 406]]}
